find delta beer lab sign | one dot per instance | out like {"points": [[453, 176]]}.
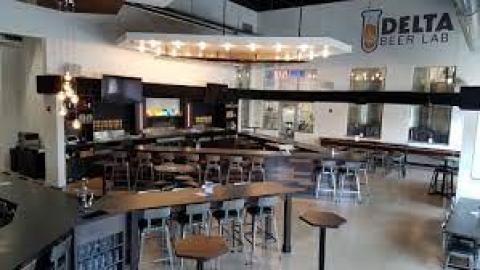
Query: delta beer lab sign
{"points": [[409, 30]]}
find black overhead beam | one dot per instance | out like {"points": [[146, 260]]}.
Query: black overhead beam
{"points": [[364, 97]]}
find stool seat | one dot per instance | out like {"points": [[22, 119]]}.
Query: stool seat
{"points": [[322, 219], [184, 178], [255, 210], [220, 214]]}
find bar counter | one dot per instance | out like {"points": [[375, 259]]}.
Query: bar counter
{"points": [[42, 216]]}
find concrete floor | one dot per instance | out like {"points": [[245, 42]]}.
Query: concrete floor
{"points": [[397, 227]]}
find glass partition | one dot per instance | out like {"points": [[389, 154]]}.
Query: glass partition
{"points": [[366, 120], [431, 124]]}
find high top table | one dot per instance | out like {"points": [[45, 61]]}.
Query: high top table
{"points": [[135, 203], [200, 248], [324, 221]]}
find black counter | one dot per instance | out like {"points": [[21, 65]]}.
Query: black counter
{"points": [[42, 216]]}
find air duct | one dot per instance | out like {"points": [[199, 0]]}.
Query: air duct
{"points": [[136, 17], [469, 17]]}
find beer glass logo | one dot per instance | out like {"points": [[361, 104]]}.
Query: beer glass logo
{"points": [[371, 29]]}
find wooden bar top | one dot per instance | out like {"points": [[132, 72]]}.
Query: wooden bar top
{"points": [[121, 203], [321, 154], [383, 146]]}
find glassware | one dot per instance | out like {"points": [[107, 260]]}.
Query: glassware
{"points": [[370, 30]]}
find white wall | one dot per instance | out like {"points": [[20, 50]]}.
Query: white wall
{"points": [[93, 49], [343, 21]]}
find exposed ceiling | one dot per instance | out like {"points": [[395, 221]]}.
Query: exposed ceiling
{"points": [[264, 5], [88, 6]]}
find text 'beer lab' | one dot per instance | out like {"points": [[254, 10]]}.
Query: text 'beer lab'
{"points": [[409, 30]]}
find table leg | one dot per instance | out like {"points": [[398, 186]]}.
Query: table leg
{"points": [[199, 265], [287, 224], [321, 250], [133, 235]]}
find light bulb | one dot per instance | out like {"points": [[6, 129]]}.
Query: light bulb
{"points": [[68, 76], [61, 96], [177, 43], [303, 48], [278, 47], [252, 47], [63, 111], [326, 52], [67, 86], [141, 46], [69, 93], [76, 124], [75, 99], [202, 46], [227, 46]]}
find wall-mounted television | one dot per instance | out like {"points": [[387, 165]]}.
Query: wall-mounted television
{"points": [[116, 89], [158, 107]]}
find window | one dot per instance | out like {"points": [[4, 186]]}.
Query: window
{"points": [[366, 120], [271, 114], [285, 115], [432, 123]]}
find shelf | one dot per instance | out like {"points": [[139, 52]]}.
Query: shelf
{"points": [[101, 252]]}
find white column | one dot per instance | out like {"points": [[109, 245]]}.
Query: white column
{"points": [[469, 174]]}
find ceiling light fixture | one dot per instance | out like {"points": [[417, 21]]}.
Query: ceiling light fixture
{"points": [[227, 46], [252, 47], [202, 46]]}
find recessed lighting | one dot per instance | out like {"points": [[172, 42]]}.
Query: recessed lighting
{"points": [[304, 47], [153, 43], [202, 46], [177, 43], [227, 46], [278, 47], [141, 46], [326, 52]]}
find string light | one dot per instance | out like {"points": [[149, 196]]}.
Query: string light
{"points": [[76, 124]]}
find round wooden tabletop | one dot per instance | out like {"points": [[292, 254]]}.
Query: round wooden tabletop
{"points": [[322, 219], [200, 247]]}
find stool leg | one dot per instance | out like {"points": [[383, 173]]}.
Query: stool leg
{"points": [[359, 194], [169, 246], [199, 265]]}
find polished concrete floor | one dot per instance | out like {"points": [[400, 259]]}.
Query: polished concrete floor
{"points": [[397, 227]]}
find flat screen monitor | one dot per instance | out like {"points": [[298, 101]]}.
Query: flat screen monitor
{"points": [[117, 89], [161, 107]]}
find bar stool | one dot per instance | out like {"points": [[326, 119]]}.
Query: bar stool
{"points": [[213, 165], [156, 221], [235, 168], [396, 161], [446, 186], [119, 169], [145, 173], [379, 157], [167, 158], [60, 256], [231, 213], [328, 174], [351, 176], [194, 161], [263, 216], [196, 216], [461, 249], [258, 168]]}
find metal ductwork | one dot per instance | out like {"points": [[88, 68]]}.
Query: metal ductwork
{"points": [[469, 17], [136, 17]]}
